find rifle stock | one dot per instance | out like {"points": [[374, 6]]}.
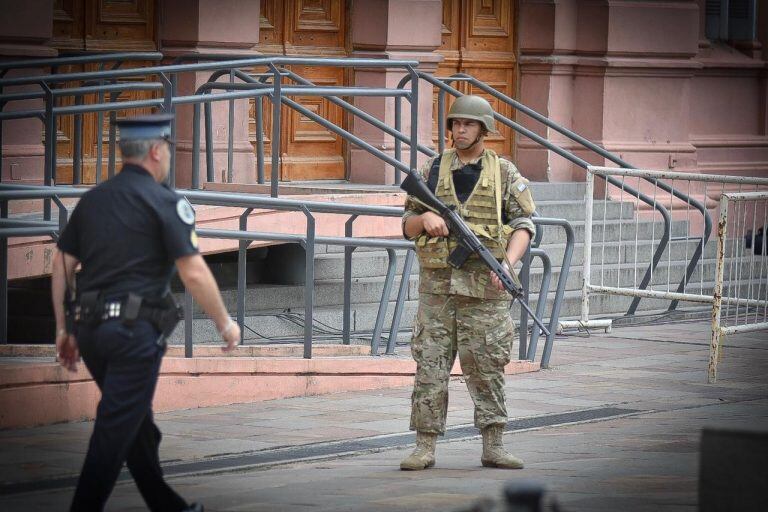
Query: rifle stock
{"points": [[415, 186]]}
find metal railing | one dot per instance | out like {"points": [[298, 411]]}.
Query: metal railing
{"points": [[619, 253], [250, 88], [248, 202], [747, 267]]}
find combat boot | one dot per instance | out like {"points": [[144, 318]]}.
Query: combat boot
{"points": [[423, 456], [494, 454]]}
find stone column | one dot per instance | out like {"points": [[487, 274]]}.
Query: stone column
{"points": [[23, 35], [618, 73], [395, 30], [211, 26]]}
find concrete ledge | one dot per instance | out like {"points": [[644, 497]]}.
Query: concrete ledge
{"points": [[40, 393]]}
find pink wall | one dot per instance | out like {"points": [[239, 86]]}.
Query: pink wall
{"points": [[396, 30], [211, 26], [640, 79]]}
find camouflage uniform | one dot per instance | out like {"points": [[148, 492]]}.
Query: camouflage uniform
{"points": [[461, 311]]}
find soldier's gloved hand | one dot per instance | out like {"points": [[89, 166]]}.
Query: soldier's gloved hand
{"points": [[434, 224], [231, 335]]}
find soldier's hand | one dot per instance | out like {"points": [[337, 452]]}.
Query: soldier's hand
{"points": [[67, 352], [434, 224], [231, 336], [495, 279]]}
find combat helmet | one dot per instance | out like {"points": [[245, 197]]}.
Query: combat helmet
{"points": [[472, 107]]}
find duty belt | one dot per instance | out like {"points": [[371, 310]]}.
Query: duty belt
{"points": [[91, 309]]}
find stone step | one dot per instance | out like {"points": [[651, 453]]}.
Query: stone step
{"points": [[558, 191], [575, 210]]}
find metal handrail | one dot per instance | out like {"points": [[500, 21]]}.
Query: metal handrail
{"points": [[250, 202], [206, 66], [665, 238], [54, 62]]}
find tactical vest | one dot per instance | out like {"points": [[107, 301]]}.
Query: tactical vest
{"points": [[482, 212]]}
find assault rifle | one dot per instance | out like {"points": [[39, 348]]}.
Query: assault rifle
{"points": [[468, 241]]}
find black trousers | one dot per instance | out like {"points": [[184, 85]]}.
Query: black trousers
{"points": [[125, 363]]}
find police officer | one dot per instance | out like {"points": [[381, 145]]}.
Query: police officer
{"points": [[465, 310], [128, 234]]}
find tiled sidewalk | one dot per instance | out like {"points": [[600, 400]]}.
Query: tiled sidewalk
{"points": [[644, 461]]}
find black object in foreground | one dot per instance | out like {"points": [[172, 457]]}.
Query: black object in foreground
{"points": [[468, 241]]}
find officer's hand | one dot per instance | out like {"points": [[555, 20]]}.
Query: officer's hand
{"points": [[67, 352], [231, 336], [434, 224]]}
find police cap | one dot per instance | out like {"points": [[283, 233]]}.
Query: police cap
{"points": [[149, 127]]}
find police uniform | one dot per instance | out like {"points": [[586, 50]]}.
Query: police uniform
{"points": [[460, 310], [127, 232]]}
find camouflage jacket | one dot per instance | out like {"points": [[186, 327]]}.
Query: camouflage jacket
{"points": [[473, 278]]}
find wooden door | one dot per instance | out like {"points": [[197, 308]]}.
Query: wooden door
{"points": [[478, 39], [98, 25], [306, 28]]}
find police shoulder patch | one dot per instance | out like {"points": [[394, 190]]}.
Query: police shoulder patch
{"points": [[185, 211]]}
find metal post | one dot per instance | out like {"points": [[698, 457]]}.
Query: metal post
{"points": [[414, 119], [168, 93], [50, 147], [587, 261], [188, 319], [112, 138], [230, 131], [309, 283], [276, 109], [441, 120], [259, 140], [717, 296], [398, 128], [525, 279], [376, 337], [77, 145], [401, 294], [99, 138], [541, 303], [196, 146], [242, 260], [347, 314], [209, 170], [3, 279]]}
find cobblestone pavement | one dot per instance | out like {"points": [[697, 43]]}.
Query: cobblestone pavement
{"points": [[614, 424]]}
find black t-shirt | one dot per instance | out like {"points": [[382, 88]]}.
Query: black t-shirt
{"points": [[127, 234]]}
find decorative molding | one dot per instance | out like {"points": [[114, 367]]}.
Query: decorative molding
{"points": [[729, 141], [489, 18], [316, 16]]}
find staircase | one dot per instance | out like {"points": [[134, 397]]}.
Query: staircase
{"points": [[275, 311]]}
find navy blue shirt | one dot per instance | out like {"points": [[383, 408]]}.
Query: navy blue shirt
{"points": [[127, 234]]}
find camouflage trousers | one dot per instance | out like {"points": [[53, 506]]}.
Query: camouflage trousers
{"points": [[481, 332]]}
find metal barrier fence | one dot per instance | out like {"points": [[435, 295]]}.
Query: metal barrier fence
{"points": [[611, 259], [740, 298]]}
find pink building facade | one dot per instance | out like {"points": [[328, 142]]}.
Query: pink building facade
{"points": [[663, 84]]}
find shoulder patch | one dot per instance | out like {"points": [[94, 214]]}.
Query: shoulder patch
{"points": [[185, 211]]}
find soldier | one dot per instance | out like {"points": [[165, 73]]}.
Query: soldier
{"points": [[465, 310], [128, 234]]}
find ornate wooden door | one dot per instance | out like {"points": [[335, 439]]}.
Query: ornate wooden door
{"points": [[478, 39], [98, 25], [310, 28]]}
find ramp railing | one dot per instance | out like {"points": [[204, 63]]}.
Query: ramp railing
{"points": [[279, 94]]}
